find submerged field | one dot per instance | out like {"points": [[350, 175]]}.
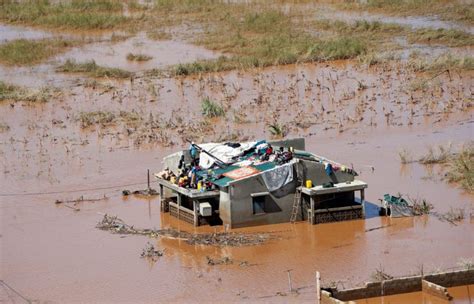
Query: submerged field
{"points": [[94, 93]]}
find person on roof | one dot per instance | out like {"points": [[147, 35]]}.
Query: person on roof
{"points": [[193, 151]]}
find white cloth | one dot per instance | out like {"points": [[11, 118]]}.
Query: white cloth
{"points": [[222, 152], [278, 177]]}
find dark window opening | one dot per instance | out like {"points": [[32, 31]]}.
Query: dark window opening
{"points": [[258, 204], [264, 204]]}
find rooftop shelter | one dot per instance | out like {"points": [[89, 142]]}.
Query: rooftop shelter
{"points": [[256, 183]]}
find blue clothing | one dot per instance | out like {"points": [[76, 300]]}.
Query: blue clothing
{"points": [[193, 151], [328, 169]]}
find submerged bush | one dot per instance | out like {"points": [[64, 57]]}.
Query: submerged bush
{"points": [[461, 168], [10, 92], [28, 52], [92, 69], [211, 109]]}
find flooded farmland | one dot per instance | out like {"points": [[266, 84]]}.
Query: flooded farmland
{"points": [[97, 136]]}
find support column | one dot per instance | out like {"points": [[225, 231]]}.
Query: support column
{"points": [[179, 203], [162, 193], [362, 199], [196, 213]]}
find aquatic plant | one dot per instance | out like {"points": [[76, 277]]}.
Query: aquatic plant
{"points": [[92, 69], [29, 52], [461, 168], [138, 57], [10, 92], [277, 130], [210, 108], [433, 156], [405, 156], [87, 119], [102, 14]]}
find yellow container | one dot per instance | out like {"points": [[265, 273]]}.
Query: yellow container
{"points": [[199, 185], [309, 183]]}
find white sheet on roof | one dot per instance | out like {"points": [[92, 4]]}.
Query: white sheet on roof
{"points": [[222, 152]]}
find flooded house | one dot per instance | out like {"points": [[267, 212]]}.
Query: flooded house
{"points": [[256, 183]]}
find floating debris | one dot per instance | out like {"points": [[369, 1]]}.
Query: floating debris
{"points": [[151, 253], [223, 261], [222, 239], [147, 192]]}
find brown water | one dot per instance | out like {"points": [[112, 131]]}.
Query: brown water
{"points": [[163, 53], [55, 254]]}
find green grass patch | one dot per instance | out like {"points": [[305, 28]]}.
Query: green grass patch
{"points": [[159, 35], [87, 119], [87, 15], [211, 109], [30, 52], [446, 10], [138, 57], [442, 63], [10, 92], [461, 168], [447, 37], [92, 69]]}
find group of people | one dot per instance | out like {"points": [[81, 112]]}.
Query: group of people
{"points": [[187, 173]]}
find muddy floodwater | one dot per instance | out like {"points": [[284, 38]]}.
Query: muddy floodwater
{"points": [[359, 116]]}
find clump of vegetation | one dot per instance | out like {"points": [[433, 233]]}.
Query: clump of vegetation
{"points": [[10, 92], [461, 168], [453, 216], [449, 37], [138, 57], [4, 127], [441, 63], [76, 14], [92, 69], [447, 10], [88, 119], [211, 109], [277, 130], [264, 38], [380, 275], [151, 253], [130, 118], [28, 52], [419, 84], [441, 155], [159, 35], [421, 206], [405, 156], [467, 264]]}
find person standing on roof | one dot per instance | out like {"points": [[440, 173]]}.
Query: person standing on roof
{"points": [[193, 151]]}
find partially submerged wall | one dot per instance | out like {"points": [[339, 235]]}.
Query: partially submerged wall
{"points": [[434, 284], [242, 194], [315, 172]]}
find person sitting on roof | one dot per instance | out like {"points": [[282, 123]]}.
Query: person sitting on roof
{"points": [[193, 176], [268, 152], [181, 162], [193, 151]]}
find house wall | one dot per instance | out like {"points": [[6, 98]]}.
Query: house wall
{"points": [[224, 206], [296, 143], [316, 173], [241, 208], [236, 205]]}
